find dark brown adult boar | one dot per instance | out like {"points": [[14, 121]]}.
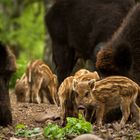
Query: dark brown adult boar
{"points": [[121, 55], [79, 27], [7, 67]]}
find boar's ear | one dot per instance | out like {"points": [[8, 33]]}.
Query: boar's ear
{"points": [[92, 83], [74, 83]]}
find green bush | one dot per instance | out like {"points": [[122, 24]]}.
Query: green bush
{"points": [[138, 137], [23, 131], [74, 127], [77, 126], [53, 131]]}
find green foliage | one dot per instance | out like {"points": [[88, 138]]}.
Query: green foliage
{"points": [[53, 131], [6, 2], [77, 126], [31, 33], [73, 127], [20, 126], [138, 137], [23, 131], [24, 26], [21, 67]]}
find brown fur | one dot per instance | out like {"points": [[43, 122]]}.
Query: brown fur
{"points": [[87, 76], [7, 68], [40, 80], [22, 89], [109, 93], [77, 27], [121, 54], [81, 72], [105, 62], [68, 98]]}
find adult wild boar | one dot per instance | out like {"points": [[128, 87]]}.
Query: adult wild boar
{"points": [[78, 27], [121, 54], [7, 68]]}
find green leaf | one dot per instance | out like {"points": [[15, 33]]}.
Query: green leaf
{"points": [[74, 126], [23, 131], [53, 131], [138, 137], [20, 126]]}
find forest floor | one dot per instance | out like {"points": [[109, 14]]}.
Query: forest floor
{"points": [[29, 113]]}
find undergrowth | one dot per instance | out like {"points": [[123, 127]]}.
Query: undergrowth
{"points": [[74, 127]]}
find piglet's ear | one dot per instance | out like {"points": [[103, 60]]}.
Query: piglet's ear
{"points": [[97, 77], [74, 83], [17, 80], [92, 83]]}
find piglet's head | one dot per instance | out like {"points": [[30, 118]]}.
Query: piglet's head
{"points": [[84, 89]]}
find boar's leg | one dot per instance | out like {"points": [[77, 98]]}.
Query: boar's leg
{"points": [[64, 58]]}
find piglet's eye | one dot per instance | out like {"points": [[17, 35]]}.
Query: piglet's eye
{"points": [[86, 94]]}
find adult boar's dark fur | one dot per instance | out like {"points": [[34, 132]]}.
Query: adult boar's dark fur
{"points": [[7, 67], [121, 55], [76, 27]]}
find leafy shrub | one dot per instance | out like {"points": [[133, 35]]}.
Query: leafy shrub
{"points": [[23, 131], [23, 26], [73, 128], [53, 131], [77, 126], [138, 137]]}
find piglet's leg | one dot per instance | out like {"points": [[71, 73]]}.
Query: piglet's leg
{"points": [[125, 108], [135, 112], [88, 114], [63, 114], [100, 113], [35, 91]]}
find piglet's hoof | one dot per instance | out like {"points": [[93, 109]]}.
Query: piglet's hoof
{"points": [[44, 117], [117, 126]]}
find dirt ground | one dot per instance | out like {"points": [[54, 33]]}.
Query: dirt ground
{"points": [[29, 113]]}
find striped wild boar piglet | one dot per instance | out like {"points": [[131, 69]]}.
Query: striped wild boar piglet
{"points": [[69, 103], [21, 89], [42, 82], [110, 93]]}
